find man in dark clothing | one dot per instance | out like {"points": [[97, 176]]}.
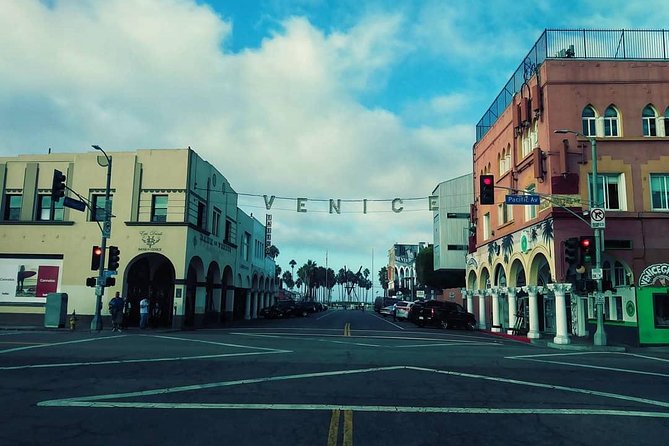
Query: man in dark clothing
{"points": [[116, 311]]}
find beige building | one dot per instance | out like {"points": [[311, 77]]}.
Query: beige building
{"points": [[184, 243]]}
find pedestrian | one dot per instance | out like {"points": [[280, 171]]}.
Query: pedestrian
{"points": [[143, 313], [394, 312], [116, 311]]}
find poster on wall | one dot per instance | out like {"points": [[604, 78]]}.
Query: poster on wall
{"points": [[28, 280]]}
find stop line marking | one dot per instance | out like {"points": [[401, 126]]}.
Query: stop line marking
{"points": [[98, 401]]}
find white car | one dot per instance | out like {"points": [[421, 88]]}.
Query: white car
{"points": [[387, 311], [402, 309]]}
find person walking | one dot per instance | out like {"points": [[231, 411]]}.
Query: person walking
{"points": [[143, 313], [116, 311]]}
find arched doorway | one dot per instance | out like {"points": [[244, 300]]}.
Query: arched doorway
{"points": [[150, 275]]}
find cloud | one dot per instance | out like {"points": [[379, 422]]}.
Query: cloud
{"points": [[280, 119]]}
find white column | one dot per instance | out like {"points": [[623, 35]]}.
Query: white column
{"points": [[581, 311], [482, 324], [534, 310], [562, 334], [513, 304], [247, 305], [254, 305], [494, 292]]}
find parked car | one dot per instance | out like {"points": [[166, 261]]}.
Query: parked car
{"points": [[381, 302], [445, 314], [280, 309], [415, 309], [402, 309], [303, 308], [387, 310]]}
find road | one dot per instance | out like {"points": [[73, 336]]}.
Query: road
{"points": [[334, 378]]}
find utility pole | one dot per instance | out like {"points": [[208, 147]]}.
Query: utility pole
{"points": [[600, 334], [96, 323]]}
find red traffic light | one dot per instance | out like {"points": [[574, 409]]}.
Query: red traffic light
{"points": [[585, 242], [487, 180], [97, 250]]}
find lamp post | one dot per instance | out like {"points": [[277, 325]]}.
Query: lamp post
{"points": [[96, 323], [600, 334]]}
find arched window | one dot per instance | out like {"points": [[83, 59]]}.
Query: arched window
{"points": [[500, 162], [649, 121], [611, 122], [589, 117]]}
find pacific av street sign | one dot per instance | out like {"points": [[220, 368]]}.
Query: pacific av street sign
{"points": [[523, 199]]}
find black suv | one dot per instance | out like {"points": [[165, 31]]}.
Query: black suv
{"points": [[445, 314]]}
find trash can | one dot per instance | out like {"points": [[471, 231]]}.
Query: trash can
{"points": [[55, 311]]}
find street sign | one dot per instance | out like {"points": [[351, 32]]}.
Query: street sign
{"points": [[420, 293], [597, 273], [74, 204], [106, 229], [597, 218], [523, 199], [599, 299]]}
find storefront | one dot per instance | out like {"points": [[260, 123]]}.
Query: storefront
{"points": [[653, 304]]}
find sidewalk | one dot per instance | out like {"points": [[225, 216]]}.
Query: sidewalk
{"points": [[577, 343]]}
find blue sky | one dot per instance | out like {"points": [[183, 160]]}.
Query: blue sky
{"points": [[318, 99]]}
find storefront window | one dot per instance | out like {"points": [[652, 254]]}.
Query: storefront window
{"points": [[661, 310]]}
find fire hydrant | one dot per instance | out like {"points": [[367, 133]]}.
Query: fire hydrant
{"points": [[73, 321]]}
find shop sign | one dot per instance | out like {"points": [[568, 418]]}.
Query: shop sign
{"points": [[658, 272]]}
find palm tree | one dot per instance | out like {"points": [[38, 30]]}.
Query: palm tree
{"points": [[292, 264]]}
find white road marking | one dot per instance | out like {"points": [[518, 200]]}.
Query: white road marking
{"points": [[325, 315], [599, 367], [98, 400], [391, 323], [392, 409], [352, 343], [209, 342], [16, 349], [449, 344], [132, 361]]}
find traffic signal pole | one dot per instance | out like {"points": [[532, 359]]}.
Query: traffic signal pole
{"points": [[600, 334], [96, 323]]}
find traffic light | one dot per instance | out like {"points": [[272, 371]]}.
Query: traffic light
{"points": [[57, 185], [95, 258], [110, 281], [587, 245], [90, 281], [487, 189], [571, 251], [114, 257]]}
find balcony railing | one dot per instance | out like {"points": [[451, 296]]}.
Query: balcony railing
{"points": [[577, 44]]}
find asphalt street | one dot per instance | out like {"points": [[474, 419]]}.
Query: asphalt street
{"points": [[339, 377]]}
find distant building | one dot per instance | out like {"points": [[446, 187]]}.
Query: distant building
{"points": [[451, 228], [610, 86], [183, 241], [402, 267]]}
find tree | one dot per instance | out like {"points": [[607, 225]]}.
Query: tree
{"points": [[383, 278], [273, 252], [287, 278], [277, 274], [292, 264]]}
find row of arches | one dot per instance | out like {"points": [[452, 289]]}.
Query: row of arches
{"points": [[652, 122]]}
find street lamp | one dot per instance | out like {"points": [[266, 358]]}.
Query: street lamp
{"points": [[96, 323], [600, 334]]}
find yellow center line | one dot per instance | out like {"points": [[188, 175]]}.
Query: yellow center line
{"points": [[334, 428], [348, 428]]}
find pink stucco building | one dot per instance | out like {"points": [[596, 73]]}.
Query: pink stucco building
{"points": [[611, 87]]}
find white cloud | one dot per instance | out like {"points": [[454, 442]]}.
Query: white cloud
{"points": [[280, 119]]}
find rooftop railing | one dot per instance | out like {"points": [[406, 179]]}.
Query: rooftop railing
{"points": [[577, 44]]}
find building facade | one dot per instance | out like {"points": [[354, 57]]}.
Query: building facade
{"points": [[184, 244], [611, 87], [402, 268]]}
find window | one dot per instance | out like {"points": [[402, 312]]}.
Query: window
{"points": [[486, 226], [228, 231], [159, 208], [649, 121], [44, 208], [617, 309], [661, 310], [589, 118], [504, 213], [618, 275], [245, 246], [659, 192], [13, 207], [530, 210], [611, 122], [216, 222], [610, 191], [98, 213], [201, 216]]}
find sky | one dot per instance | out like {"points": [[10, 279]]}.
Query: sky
{"points": [[313, 99]]}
